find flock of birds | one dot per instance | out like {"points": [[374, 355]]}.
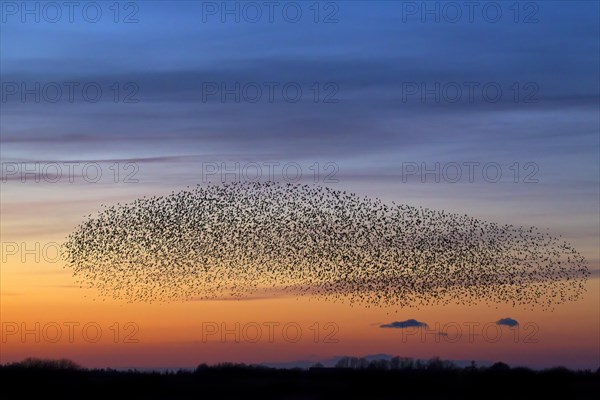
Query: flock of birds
{"points": [[237, 240]]}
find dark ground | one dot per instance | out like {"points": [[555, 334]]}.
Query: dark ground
{"points": [[21, 381]]}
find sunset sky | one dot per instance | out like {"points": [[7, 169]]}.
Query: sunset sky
{"points": [[357, 96]]}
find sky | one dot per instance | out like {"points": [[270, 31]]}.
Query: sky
{"points": [[483, 108]]}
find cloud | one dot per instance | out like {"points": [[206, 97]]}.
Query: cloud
{"points": [[507, 322], [409, 323]]}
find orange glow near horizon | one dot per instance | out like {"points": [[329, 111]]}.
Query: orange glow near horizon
{"points": [[45, 315], [161, 334]]}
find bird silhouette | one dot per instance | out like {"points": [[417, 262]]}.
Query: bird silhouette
{"points": [[240, 239]]}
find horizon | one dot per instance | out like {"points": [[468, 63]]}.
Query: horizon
{"points": [[305, 364]]}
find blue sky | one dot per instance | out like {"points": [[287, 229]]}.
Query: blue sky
{"points": [[371, 58]]}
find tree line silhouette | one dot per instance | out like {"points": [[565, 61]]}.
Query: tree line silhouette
{"points": [[352, 377]]}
